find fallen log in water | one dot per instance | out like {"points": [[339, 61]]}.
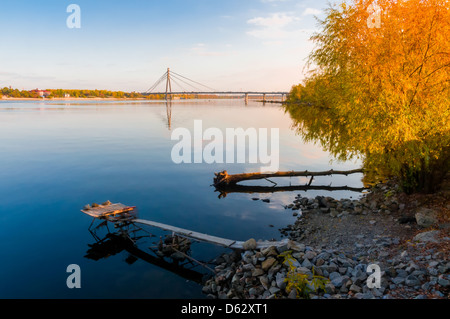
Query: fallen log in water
{"points": [[223, 179]]}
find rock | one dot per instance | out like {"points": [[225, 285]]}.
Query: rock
{"points": [[292, 294], [307, 264], [334, 213], [334, 275], [426, 217], [270, 251], [249, 244], [412, 281], [324, 256], [252, 291], [426, 237], [322, 202], [295, 246], [310, 255], [354, 288], [269, 262], [206, 290], [443, 282], [398, 280], [257, 272], [319, 262], [329, 288], [274, 290], [279, 278], [338, 281], [264, 281]]}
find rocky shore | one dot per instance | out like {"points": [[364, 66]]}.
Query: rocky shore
{"points": [[407, 236]]}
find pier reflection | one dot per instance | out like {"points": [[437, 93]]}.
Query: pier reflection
{"points": [[126, 238]]}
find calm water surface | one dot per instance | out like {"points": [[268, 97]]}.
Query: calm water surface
{"points": [[56, 157]]}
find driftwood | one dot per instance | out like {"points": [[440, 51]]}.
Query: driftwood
{"points": [[224, 180]]}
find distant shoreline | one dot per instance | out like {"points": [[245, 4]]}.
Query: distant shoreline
{"points": [[70, 99]]}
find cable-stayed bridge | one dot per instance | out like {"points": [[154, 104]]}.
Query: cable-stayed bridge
{"points": [[177, 84]]}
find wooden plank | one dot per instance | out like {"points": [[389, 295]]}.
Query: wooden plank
{"points": [[112, 209], [234, 244]]}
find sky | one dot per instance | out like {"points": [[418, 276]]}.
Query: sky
{"points": [[231, 45]]}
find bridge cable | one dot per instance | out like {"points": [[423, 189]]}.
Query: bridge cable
{"points": [[173, 80], [162, 78], [180, 79], [209, 88]]}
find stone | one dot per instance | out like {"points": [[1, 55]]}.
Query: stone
{"points": [[269, 262], [329, 288], [252, 291], [295, 246], [264, 281], [270, 251], [338, 281], [443, 282], [334, 275], [257, 272], [249, 244], [427, 237], [334, 213], [426, 217], [398, 280], [274, 290], [319, 262], [354, 288], [307, 264], [324, 256], [412, 281], [280, 280], [292, 294], [310, 255]]}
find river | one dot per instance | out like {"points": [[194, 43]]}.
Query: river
{"points": [[58, 156]]}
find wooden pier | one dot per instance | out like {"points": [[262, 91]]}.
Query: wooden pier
{"points": [[103, 211], [120, 212], [233, 244]]}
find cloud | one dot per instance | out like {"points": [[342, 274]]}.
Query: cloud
{"points": [[276, 20], [276, 27], [312, 11]]}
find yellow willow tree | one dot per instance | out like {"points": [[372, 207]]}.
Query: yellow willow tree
{"points": [[378, 87]]}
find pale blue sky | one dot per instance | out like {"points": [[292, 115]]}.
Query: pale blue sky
{"points": [[127, 45]]}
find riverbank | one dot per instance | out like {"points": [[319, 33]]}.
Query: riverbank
{"points": [[69, 99], [407, 236]]}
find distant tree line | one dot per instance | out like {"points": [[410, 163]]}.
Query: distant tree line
{"points": [[61, 93]]}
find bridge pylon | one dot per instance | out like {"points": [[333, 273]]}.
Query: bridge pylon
{"points": [[168, 85]]}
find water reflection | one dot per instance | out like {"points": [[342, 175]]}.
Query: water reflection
{"points": [[250, 189], [126, 238]]}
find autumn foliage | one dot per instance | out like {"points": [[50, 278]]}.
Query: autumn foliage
{"points": [[378, 88]]}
